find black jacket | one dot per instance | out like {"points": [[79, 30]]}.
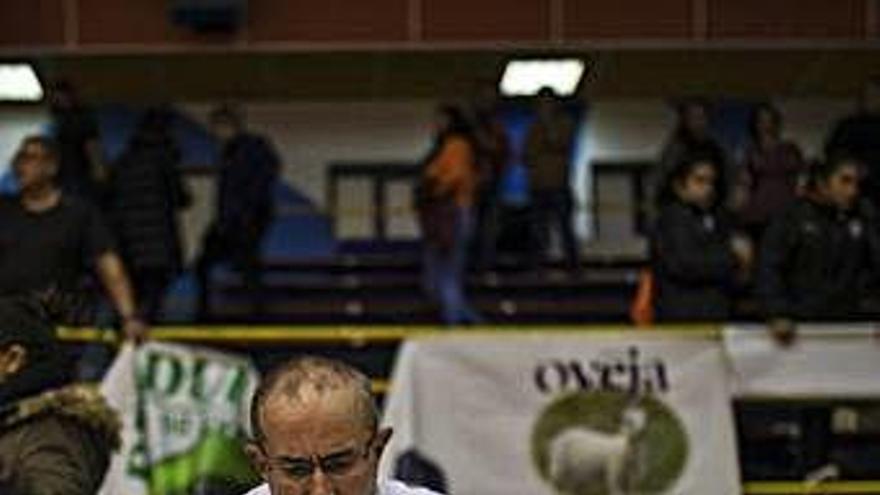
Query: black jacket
{"points": [[694, 267], [816, 261], [146, 192], [248, 174]]}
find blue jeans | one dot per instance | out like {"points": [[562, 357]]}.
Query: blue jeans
{"points": [[444, 273]]}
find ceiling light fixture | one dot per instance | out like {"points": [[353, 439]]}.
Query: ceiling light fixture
{"points": [[527, 77], [19, 83]]}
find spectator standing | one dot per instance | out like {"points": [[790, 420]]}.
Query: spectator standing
{"points": [[548, 154], [691, 137], [81, 169], [493, 154], [49, 239], [818, 256], [696, 257], [445, 202], [145, 194], [772, 173], [817, 259], [249, 168]]}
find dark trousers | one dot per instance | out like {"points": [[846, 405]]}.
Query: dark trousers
{"points": [[241, 247], [485, 240], [150, 285], [553, 208]]}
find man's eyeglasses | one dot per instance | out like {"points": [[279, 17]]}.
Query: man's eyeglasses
{"points": [[336, 464]]}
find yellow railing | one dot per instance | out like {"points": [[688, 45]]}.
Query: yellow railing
{"points": [[799, 488], [368, 334]]}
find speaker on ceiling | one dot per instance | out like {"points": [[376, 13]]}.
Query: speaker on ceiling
{"points": [[208, 15]]}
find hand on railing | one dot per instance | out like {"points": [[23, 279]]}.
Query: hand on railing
{"points": [[783, 331]]}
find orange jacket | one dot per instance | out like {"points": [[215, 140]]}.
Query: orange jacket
{"points": [[454, 171]]}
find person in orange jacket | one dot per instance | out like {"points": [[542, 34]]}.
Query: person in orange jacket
{"points": [[446, 197]]}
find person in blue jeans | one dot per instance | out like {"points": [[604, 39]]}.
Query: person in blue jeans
{"points": [[446, 197]]}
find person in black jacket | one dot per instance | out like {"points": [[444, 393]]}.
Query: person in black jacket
{"points": [[696, 258], [145, 194], [81, 167], [820, 253], [249, 169], [816, 259]]}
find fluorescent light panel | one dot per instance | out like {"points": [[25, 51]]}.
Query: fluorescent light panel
{"points": [[527, 77], [18, 82]]}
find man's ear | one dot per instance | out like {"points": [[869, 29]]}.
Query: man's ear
{"points": [[382, 438], [257, 458]]}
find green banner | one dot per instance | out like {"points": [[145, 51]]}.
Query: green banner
{"points": [[186, 419]]}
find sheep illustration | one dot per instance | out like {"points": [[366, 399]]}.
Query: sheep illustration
{"points": [[581, 459]]}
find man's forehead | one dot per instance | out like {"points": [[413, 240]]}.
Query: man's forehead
{"points": [[310, 405], [323, 424]]}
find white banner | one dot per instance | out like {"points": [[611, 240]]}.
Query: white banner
{"points": [[545, 413], [185, 414], [824, 361], [120, 391]]}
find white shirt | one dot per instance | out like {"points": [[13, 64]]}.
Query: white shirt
{"points": [[387, 488]]}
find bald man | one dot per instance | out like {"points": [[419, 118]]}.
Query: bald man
{"points": [[316, 432]]}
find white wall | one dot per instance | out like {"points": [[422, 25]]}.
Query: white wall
{"points": [[15, 124], [309, 136]]}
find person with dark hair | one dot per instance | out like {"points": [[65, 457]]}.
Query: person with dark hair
{"points": [[249, 169], [818, 255], [548, 155], [56, 436], [691, 137], [695, 256], [493, 154], [445, 200], [817, 259], [81, 169], [772, 172], [316, 431], [49, 239], [145, 194], [858, 135]]}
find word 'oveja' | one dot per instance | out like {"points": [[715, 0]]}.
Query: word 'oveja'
{"points": [[629, 374]]}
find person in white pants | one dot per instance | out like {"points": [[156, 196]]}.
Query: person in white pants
{"points": [[316, 432]]}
